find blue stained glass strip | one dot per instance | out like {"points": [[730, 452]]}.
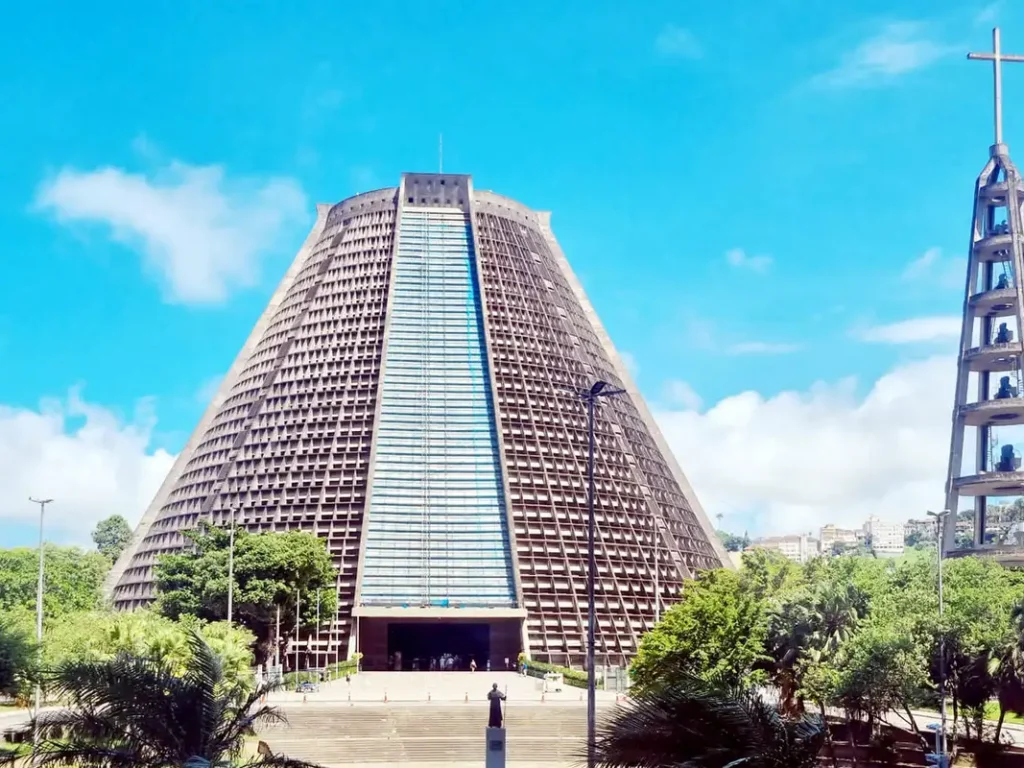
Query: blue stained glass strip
{"points": [[436, 532]]}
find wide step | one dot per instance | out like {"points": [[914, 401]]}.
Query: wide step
{"points": [[344, 735]]}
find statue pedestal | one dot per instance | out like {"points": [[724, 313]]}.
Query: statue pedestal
{"points": [[495, 748]]}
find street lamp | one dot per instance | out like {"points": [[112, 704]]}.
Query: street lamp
{"points": [[940, 736], [39, 615], [231, 566], [590, 397]]}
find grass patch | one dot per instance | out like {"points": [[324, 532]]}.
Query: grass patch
{"points": [[992, 713]]}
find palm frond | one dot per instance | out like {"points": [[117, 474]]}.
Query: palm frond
{"points": [[706, 727], [100, 755], [278, 761], [137, 712]]}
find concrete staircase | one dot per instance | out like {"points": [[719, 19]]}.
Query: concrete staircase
{"points": [[423, 734]]}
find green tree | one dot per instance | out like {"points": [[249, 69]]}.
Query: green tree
{"points": [[269, 569], [102, 636], [807, 625], [111, 536], [880, 669], [716, 631], [138, 711], [767, 573], [980, 598], [73, 579], [732, 542], [1008, 669], [17, 658], [692, 723]]}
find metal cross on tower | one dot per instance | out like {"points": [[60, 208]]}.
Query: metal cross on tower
{"points": [[990, 370], [997, 57]]}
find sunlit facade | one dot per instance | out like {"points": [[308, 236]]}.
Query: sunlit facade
{"points": [[408, 395]]}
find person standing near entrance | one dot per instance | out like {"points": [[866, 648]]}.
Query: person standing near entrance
{"points": [[472, 665]]}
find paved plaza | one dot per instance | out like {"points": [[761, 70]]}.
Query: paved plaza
{"points": [[426, 687]]}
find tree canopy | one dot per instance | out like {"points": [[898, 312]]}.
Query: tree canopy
{"points": [[717, 631], [137, 709], [858, 634], [111, 535], [73, 579], [271, 570], [17, 657]]}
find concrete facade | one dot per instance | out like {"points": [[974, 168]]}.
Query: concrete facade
{"points": [[291, 440], [886, 538], [797, 547]]}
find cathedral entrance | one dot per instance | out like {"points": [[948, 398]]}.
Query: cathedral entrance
{"points": [[438, 647], [438, 644]]}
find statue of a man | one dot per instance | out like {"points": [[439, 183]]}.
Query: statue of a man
{"points": [[495, 697]]}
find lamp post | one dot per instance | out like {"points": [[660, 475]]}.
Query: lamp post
{"points": [[590, 397], [940, 736], [657, 573], [337, 616], [231, 566], [298, 612], [39, 614]]}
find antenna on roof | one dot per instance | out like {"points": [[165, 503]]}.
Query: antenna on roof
{"points": [[440, 153]]}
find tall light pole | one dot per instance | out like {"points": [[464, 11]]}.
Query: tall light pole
{"points": [[231, 567], [657, 573], [298, 612], [590, 397], [337, 616], [940, 737], [39, 613]]}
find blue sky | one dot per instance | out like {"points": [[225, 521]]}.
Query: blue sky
{"points": [[768, 203]]}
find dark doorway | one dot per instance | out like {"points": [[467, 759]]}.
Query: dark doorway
{"points": [[421, 646]]}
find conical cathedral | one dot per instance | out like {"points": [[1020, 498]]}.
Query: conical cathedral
{"points": [[410, 395]]}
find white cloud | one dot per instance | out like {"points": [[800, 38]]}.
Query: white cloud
{"points": [[678, 43], [792, 462], [913, 331], [933, 268], [703, 334], [630, 362], [90, 462], [680, 393], [899, 48], [738, 259], [202, 233], [761, 348]]}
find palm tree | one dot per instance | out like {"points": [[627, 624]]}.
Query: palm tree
{"points": [[838, 609], [790, 629], [707, 726], [135, 712]]}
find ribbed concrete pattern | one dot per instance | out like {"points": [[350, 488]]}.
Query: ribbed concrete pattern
{"points": [[288, 446], [545, 341], [409, 734]]}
